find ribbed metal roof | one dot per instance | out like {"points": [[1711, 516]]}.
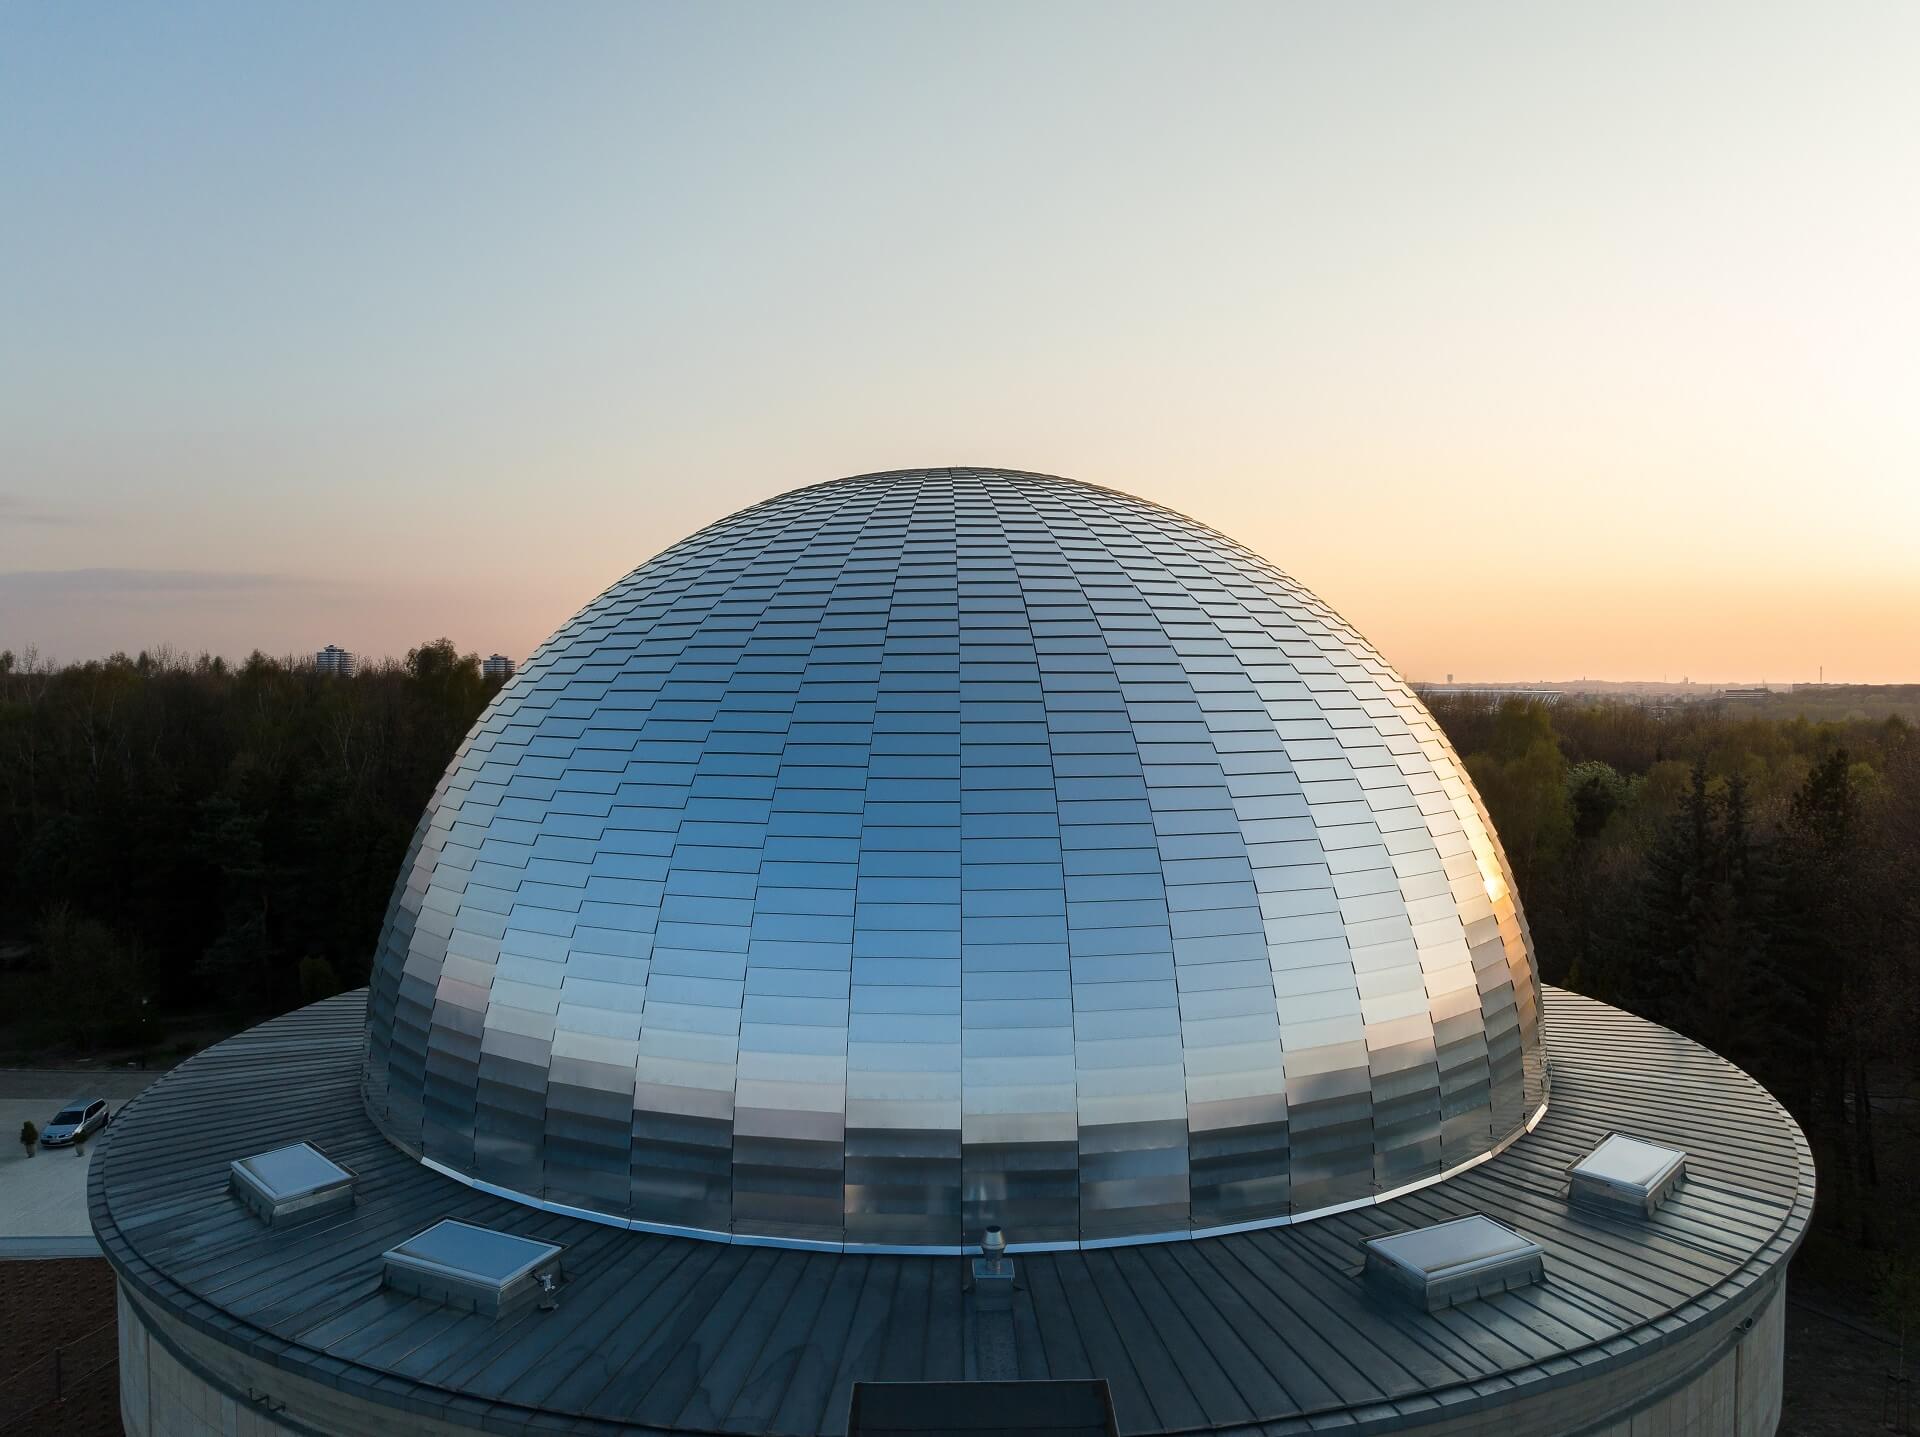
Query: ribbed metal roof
{"points": [[1271, 1330]]}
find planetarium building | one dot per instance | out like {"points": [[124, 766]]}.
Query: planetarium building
{"points": [[954, 950]]}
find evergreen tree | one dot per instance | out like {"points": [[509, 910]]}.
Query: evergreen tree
{"points": [[1660, 977], [1813, 919]]}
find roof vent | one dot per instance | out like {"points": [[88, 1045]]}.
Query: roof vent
{"points": [[1454, 1262], [1067, 1407], [471, 1267], [291, 1184], [1627, 1175], [993, 1273]]}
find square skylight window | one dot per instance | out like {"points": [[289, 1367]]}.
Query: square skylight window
{"points": [[470, 1266], [293, 1184], [1627, 1174], [1454, 1262]]}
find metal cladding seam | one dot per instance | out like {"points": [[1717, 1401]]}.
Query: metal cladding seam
{"points": [[942, 848]]}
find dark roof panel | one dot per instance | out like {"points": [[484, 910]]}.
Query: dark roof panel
{"points": [[1273, 1329]]}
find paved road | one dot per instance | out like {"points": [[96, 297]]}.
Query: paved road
{"points": [[43, 1198]]}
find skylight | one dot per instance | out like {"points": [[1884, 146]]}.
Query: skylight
{"points": [[470, 1266], [292, 1184], [1454, 1262], [1627, 1175]]}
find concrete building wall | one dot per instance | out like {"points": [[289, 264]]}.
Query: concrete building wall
{"points": [[1720, 1378], [161, 1397], [1737, 1394], [176, 1381]]}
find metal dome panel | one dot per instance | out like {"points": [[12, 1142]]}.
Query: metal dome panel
{"points": [[939, 849]]}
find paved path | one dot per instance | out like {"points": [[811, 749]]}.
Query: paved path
{"points": [[43, 1198]]}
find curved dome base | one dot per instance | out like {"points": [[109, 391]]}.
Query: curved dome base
{"points": [[1181, 1234]]}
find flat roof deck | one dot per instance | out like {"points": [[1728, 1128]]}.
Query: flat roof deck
{"points": [[1271, 1330]]}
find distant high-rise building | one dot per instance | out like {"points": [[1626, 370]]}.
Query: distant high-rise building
{"points": [[497, 666], [334, 660]]}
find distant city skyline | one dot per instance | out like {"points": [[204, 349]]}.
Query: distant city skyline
{"points": [[1538, 342]]}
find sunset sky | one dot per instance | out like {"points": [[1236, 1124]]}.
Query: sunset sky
{"points": [[1540, 341]]}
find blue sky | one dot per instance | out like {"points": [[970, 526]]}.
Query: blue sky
{"points": [[1540, 340]]}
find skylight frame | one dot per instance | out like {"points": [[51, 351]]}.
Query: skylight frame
{"points": [[280, 1205], [442, 1279], [1590, 1185], [1513, 1260]]}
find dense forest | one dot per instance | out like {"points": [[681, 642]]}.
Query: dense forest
{"points": [[184, 841], [178, 836]]}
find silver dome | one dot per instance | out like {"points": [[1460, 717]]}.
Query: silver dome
{"points": [[945, 848]]}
